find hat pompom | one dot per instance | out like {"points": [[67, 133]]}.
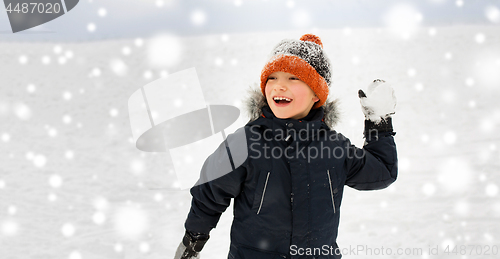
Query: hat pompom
{"points": [[312, 38]]}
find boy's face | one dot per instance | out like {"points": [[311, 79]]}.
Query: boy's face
{"points": [[297, 97]]}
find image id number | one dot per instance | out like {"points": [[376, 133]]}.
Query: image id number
{"points": [[34, 8]]}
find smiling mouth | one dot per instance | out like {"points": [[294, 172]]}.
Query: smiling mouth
{"points": [[282, 100]]}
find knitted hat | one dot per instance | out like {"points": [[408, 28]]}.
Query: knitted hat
{"points": [[305, 59]]}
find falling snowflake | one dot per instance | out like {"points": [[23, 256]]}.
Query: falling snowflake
{"points": [[68, 230], [403, 19], [138, 42], [493, 14], [57, 49], [198, 17], [219, 62], [45, 60], [91, 27], [429, 189], [99, 218], [459, 3], [66, 119], [75, 255], [102, 12], [480, 38], [131, 222], [300, 19], [9, 228], [69, 154], [55, 181], [126, 50], [118, 248], [113, 112], [118, 67], [5, 137], [39, 160], [492, 190], [12, 210], [164, 51], [144, 247], [23, 59], [67, 96], [31, 88], [22, 111], [455, 174]]}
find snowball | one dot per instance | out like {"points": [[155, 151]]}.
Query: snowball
{"points": [[198, 17], [492, 190], [91, 27], [45, 60], [164, 51], [22, 111], [55, 181], [99, 218], [429, 189], [68, 230], [9, 228], [455, 174], [118, 67], [67, 95], [131, 222], [39, 161], [102, 12], [75, 255], [144, 247], [493, 14]]}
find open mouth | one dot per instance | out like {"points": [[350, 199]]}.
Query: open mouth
{"points": [[281, 100]]}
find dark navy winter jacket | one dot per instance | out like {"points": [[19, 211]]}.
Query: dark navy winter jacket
{"points": [[287, 193]]}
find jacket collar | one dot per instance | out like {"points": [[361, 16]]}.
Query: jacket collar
{"points": [[257, 107]]}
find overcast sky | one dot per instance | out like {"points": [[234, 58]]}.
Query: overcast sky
{"points": [[110, 19]]}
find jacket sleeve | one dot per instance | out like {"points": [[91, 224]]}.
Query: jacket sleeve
{"points": [[220, 180], [375, 166]]}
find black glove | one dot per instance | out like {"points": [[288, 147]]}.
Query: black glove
{"points": [[191, 245]]}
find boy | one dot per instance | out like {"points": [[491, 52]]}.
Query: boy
{"points": [[287, 193]]}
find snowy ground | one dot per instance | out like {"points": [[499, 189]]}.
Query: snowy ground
{"points": [[72, 184]]}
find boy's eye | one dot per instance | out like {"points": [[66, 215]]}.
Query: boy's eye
{"points": [[271, 78], [294, 78]]}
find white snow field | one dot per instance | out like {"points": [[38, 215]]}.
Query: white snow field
{"points": [[73, 185]]}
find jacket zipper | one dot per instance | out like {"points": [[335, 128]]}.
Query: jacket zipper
{"points": [[331, 190], [263, 192]]}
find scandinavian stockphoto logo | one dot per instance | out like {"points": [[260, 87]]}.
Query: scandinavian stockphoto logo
{"points": [[26, 14], [170, 115]]}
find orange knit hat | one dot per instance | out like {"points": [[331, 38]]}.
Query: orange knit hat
{"points": [[305, 59]]}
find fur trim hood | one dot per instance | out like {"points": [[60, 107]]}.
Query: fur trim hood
{"points": [[256, 100]]}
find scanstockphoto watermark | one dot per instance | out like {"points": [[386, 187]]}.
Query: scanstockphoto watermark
{"points": [[263, 146], [364, 250]]}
